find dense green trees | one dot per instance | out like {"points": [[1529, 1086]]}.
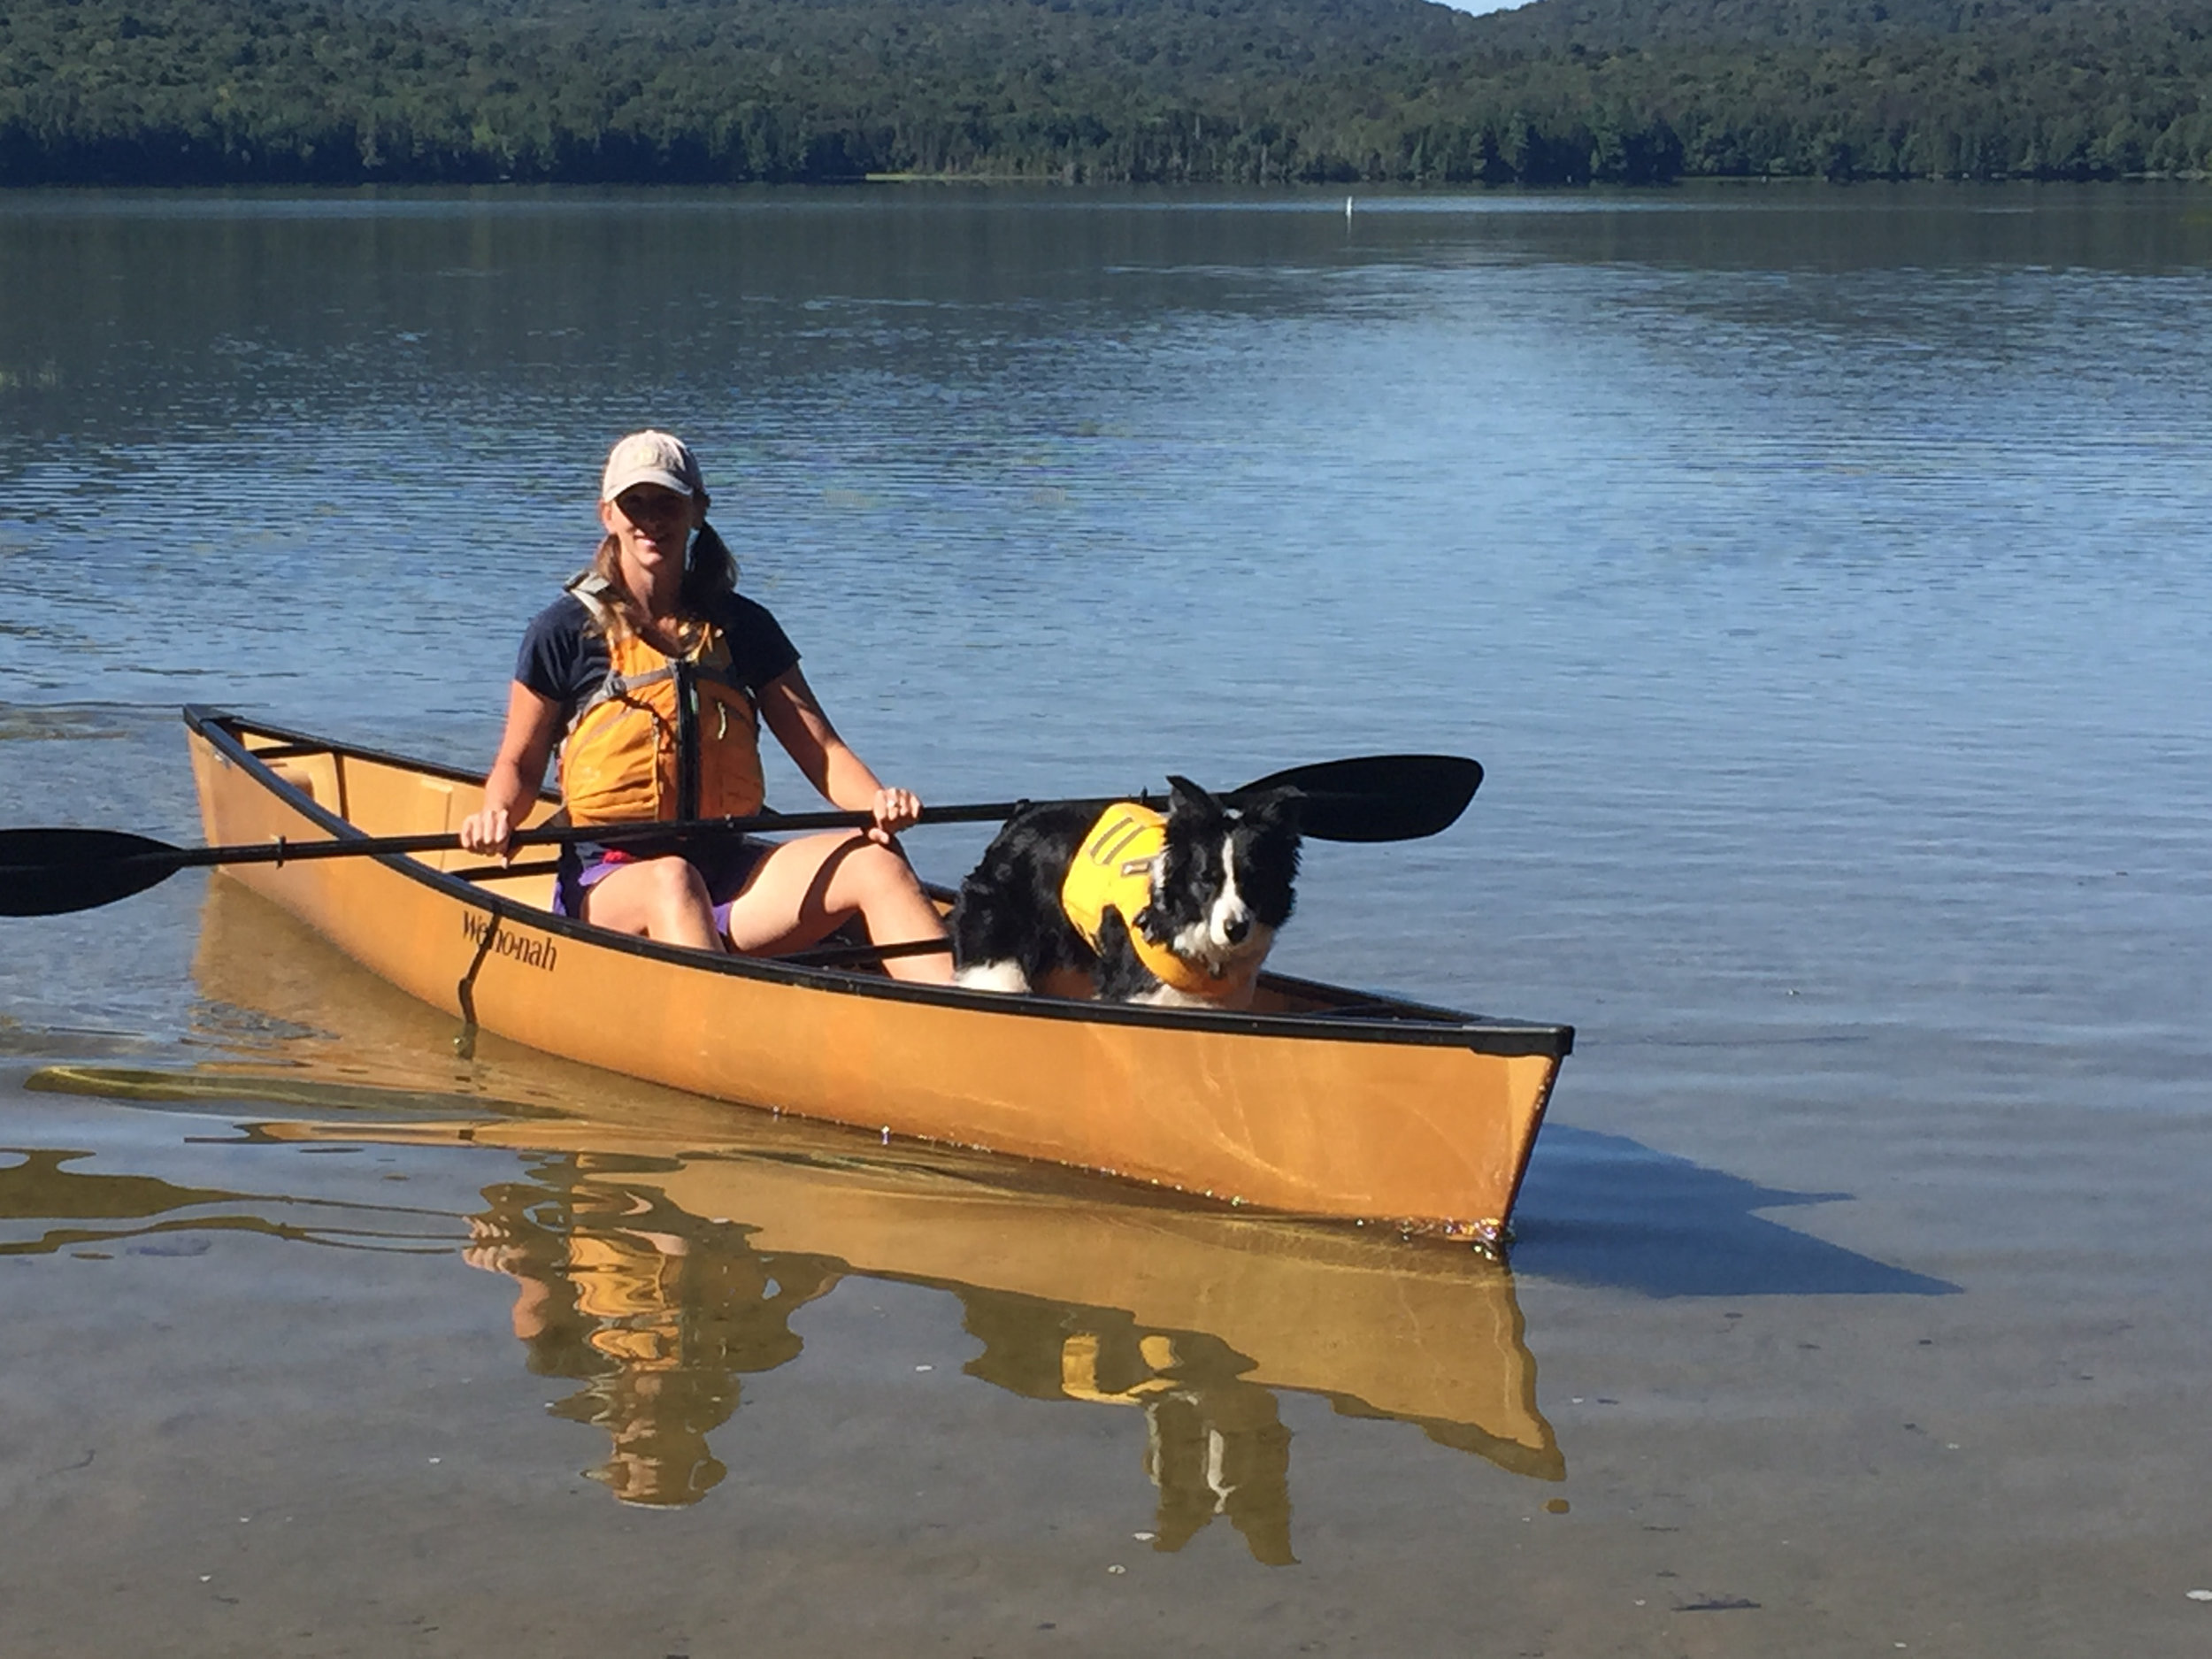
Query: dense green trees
{"points": [[1895, 89], [1235, 91]]}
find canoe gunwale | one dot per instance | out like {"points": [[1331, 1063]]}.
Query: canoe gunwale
{"points": [[1390, 1020]]}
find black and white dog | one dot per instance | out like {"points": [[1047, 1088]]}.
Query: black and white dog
{"points": [[1178, 909]]}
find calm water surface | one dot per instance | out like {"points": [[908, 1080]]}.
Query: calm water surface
{"points": [[1821, 578]]}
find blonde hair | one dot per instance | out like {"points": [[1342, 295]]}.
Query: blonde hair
{"points": [[710, 572]]}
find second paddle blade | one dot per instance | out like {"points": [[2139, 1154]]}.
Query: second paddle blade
{"points": [[53, 872], [1379, 797]]}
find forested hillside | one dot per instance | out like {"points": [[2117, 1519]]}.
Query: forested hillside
{"points": [[1230, 91], [1882, 89]]}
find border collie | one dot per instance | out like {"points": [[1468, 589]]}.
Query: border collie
{"points": [[1177, 909]]}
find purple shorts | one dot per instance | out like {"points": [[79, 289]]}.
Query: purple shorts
{"points": [[725, 863]]}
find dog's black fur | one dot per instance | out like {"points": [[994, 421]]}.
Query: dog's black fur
{"points": [[1009, 932]]}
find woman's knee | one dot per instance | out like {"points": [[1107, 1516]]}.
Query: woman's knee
{"points": [[656, 895], [677, 885], [873, 869]]}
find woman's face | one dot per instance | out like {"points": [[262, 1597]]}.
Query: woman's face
{"points": [[652, 526]]}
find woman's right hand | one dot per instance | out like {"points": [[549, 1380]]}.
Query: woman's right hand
{"points": [[511, 786], [487, 831]]}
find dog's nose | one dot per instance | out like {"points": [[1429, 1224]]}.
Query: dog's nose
{"points": [[1234, 929]]}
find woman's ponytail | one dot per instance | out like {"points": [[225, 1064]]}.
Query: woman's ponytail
{"points": [[710, 572]]}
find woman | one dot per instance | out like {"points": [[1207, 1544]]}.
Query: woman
{"points": [[652, 675]]}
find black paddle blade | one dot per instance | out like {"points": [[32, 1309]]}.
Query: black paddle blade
{"points": [[1378, 798], [53, 872]]}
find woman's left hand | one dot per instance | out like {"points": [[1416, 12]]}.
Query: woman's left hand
{"points": [[895, 809]]}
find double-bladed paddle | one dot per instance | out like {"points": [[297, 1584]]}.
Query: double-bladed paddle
{"points": [[1369, 798]]}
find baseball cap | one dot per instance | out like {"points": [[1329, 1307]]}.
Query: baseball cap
{"points": [[651, 457]]}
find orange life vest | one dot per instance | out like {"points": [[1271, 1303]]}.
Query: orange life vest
{"points": [[662, 737], [1112, 870]]}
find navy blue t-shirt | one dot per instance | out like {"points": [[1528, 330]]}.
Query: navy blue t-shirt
{"points": [[563, 658]]}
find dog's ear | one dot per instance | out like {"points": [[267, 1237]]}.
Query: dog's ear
{"points": [[1186, 799], [1276, 809]]}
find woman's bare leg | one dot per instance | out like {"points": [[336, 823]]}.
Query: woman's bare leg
{"points": [[662, 898], [801, 890]]}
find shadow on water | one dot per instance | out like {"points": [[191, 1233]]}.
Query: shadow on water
{"points": [[1603, 1209], [661, 1247]]}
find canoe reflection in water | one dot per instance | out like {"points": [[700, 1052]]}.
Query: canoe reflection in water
{"points": [[662, 1244], [659, 1313]]}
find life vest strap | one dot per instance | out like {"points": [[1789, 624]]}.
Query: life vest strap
{"points": [[592, 591]]}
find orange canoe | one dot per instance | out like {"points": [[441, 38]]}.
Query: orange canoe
{"points": [[1318, 1102]]}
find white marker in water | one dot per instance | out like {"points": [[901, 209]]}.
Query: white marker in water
{"points": [[1348, 210]]}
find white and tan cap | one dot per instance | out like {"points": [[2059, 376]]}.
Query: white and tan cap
{"points": [[651, 457]]}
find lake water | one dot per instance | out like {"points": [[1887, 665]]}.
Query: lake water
{"points": [[1821, 576]]}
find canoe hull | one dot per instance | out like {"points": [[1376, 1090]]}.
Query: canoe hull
{"points": [[1426, 1126]]}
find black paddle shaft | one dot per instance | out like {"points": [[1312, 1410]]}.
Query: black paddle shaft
{"points": [[1371, 798]]}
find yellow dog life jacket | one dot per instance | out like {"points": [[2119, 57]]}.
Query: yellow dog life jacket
{"points": [[662, 737], [1113, 870]]}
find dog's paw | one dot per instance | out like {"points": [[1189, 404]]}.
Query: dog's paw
{"points": [[1234, 999], [1152, 924], [1005, 977]]}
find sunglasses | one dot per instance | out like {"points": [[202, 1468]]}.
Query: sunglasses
{"points": [[640, 504]]}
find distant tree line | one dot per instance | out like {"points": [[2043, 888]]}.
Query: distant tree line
{"points": [[1177, 91]]}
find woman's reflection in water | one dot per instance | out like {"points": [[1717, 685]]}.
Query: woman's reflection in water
{"points": [[656, 1311]]}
